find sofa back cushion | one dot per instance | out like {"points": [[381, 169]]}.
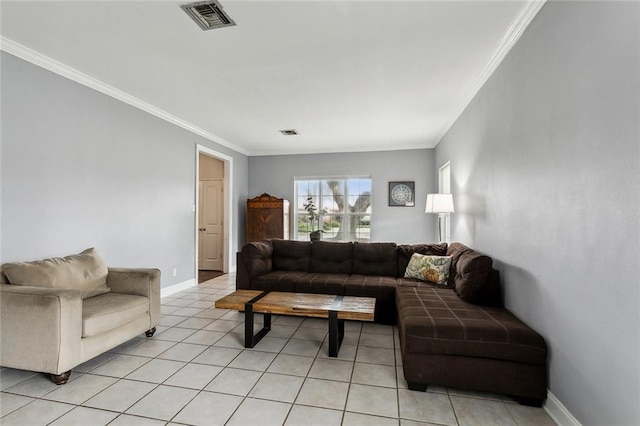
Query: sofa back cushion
{"points": [[469, 272], [291, 255], [375, 259], [405, 251], [331, 257], [85, 272]]}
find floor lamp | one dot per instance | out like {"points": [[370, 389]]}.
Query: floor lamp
{"points": [[442, 204]]}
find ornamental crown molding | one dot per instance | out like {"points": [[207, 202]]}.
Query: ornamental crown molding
{"points": [[50, 64], [520, 23]]}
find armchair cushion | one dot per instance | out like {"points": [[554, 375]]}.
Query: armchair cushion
{"points": [[109, 311], [85, 272]]}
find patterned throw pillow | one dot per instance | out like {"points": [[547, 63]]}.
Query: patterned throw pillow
{"points": [[434, 269]]}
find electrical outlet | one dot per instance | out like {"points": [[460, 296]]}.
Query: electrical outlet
{"points": [[175, 272]]}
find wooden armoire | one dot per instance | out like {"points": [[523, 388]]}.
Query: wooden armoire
{"points": [[267, 217]]}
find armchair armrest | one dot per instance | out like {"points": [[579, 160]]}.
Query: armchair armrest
{"points": [[40, 328], [141, 282]]}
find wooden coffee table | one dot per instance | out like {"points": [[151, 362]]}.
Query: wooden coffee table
{"points": [[335, 308]]}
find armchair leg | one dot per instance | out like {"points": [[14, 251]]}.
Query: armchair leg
{"points": [[150, 332], [61, 379]]}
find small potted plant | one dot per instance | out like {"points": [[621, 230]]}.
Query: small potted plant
{"points": [[314, 219]]}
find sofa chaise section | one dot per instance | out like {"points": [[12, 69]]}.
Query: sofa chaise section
{"points": [[449, 341]]}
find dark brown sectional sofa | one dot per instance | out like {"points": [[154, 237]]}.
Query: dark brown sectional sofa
{"points": [[457, 335]]}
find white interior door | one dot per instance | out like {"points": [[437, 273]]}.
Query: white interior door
{"points": [[210, 228]]}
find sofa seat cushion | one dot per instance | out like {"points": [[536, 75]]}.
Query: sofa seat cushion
{"points": [[111, 310], [278, 280], [382, 288], [323, 284], [437, 321], [370, 286]]}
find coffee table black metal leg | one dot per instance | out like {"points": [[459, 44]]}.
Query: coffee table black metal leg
{"points": [[250, 339], [336, 333]]}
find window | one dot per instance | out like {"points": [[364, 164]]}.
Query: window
{"points": [[444, 187], [343, 207]]}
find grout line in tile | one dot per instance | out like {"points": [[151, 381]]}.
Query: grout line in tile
{"points": [[224, 289]]}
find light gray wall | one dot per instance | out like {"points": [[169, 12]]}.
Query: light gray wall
{"points": [[81, 169], [545, 174], [275, 174]]}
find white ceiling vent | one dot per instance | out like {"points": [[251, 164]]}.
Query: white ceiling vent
{"points": [[208, 14], [289, 132]]}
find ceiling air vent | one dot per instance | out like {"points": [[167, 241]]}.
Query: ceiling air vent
{"points": [[289, 132], [208, 14]]}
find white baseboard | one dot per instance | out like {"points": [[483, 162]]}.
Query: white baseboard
{"points": [[173, 289], [559, 412]]}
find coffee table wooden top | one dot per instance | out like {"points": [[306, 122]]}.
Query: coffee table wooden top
{"points": [[302, 304]]}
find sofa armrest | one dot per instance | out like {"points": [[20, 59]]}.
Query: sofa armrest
{"points": [[40, 328], [253, 260], [243, 280], [140, 282]]}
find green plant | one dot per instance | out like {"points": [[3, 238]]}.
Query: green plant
{"points": [[314, 215]]}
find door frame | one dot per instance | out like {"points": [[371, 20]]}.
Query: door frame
{"points": [[444, 187], [227, 248]]}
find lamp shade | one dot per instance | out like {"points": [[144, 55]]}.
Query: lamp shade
{"points": [[439, 203]]}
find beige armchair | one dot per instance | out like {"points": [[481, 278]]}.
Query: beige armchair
{"points": [[52, 329]]}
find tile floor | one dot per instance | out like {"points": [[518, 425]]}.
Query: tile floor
{"points": [[195, 371]]}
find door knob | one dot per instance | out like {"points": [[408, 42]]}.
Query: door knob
{"points": [[202, 229]]}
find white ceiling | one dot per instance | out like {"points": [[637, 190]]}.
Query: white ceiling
{"points": [[348, 75]]}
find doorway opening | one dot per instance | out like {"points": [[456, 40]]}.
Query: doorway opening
{"points": [[205, 275], [212, 213]]}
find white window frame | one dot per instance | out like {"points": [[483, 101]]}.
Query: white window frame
{"points": [[444, 187], [345, 214]]}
